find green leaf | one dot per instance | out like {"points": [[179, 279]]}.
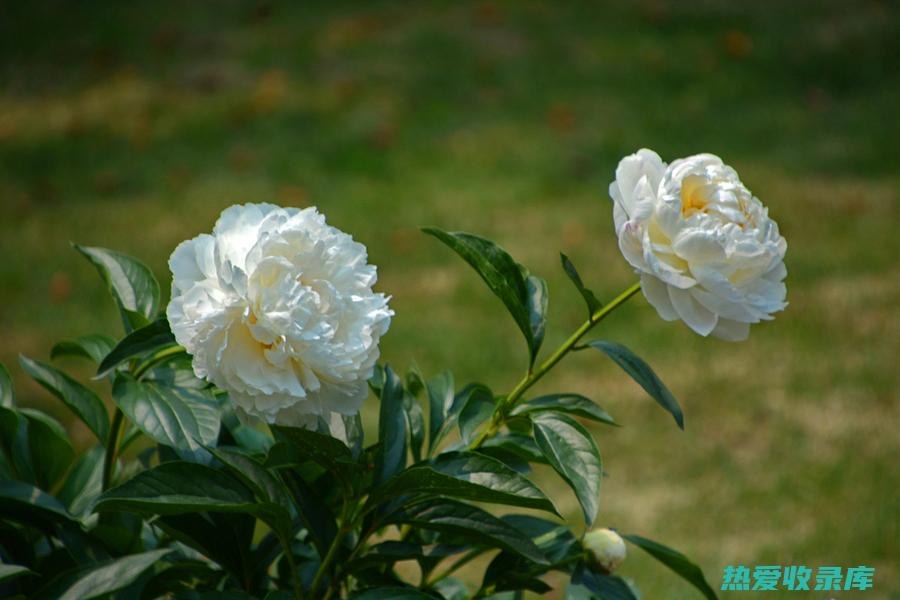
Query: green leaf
{"points": [[304, 444], [312, 510], [264, 485], [49, 447], [524, 300], [470, 522], [225, 538], [676, 561], [84, 483], [391, 457], [180, 418], [451, 588], [22, 502], [440, 390], [92, 347], [152, 337], [467, 476], [536, 303], [572, 452], [113, 576], [643, 374], [590, 299], [391, 593], [130, 282], [573, 404], [606, 587], [180, 487], [10, 572], [14, 441], [519, 444], [86, 405], [415, 422], [478, 408], [7, 392]]}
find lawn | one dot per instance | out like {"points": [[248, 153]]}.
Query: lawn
{"points": [[131, 126]]}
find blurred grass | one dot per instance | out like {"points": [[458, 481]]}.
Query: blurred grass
{"points": [[132, 126]]}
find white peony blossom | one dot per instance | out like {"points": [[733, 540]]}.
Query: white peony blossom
{"points": [[605, 549], [277, 308], [705, 247]]}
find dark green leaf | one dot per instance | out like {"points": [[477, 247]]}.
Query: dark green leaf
{"points": [[605, 587], [391, 457], [154, 336], [505, 278], [92, 347], [177, 417], [131, 283], [573, 404], [178, 487], [312, 510], [590, 299], [225, 538], [23, 502], [536, 304], [247, 437], [572, 452], [471, 522], [415, 422], [49, 447], [676, 561], [7, 393], [14, 441], [643, 374], [478, 408], [324, 450], [519, 444], [10, 572], [391, 593], [468, 476], [80, 400], [440, 399], [113, 576], [84, 482]]}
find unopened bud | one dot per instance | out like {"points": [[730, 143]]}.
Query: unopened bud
{"points": [[605, 550]]}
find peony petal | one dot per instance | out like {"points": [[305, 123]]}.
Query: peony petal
{"points": [[657, 294], [731, 331], [697, 317]]}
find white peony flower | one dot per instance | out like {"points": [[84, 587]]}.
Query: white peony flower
{"points": [[705, 247], [277, 308], [605, 549]]}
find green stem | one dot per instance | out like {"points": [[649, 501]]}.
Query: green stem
{"points": [[332, 550], [109, 459], [534, 376]]}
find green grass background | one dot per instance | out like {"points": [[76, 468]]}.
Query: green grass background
{"points": [[132, 125]]}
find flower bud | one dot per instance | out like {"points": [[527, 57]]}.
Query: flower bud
{"points": [[605, 550]]}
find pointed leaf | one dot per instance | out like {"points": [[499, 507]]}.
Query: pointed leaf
{"points": [[177, 417], [80, 400], [154, 336], [440, 390], [415, 422], [573, 404], [572, 452], [471, 522], [20, 501], [113, 576], [304, 444], [131, 283], [478, 408], [84, 482], [391, 457], [93, 347], [7, 393], [537, 300], [643, 374], [49, 446], [505, 278], [676, 561], [607, 587], [10, 572], [590, 299], [467, 476]]}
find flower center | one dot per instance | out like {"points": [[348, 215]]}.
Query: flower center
{"points": [[692, 196]]}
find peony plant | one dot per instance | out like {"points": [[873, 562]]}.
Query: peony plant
{"points": [[235, 463]]}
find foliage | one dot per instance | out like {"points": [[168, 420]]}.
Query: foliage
{"points": [[214, 507]]}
